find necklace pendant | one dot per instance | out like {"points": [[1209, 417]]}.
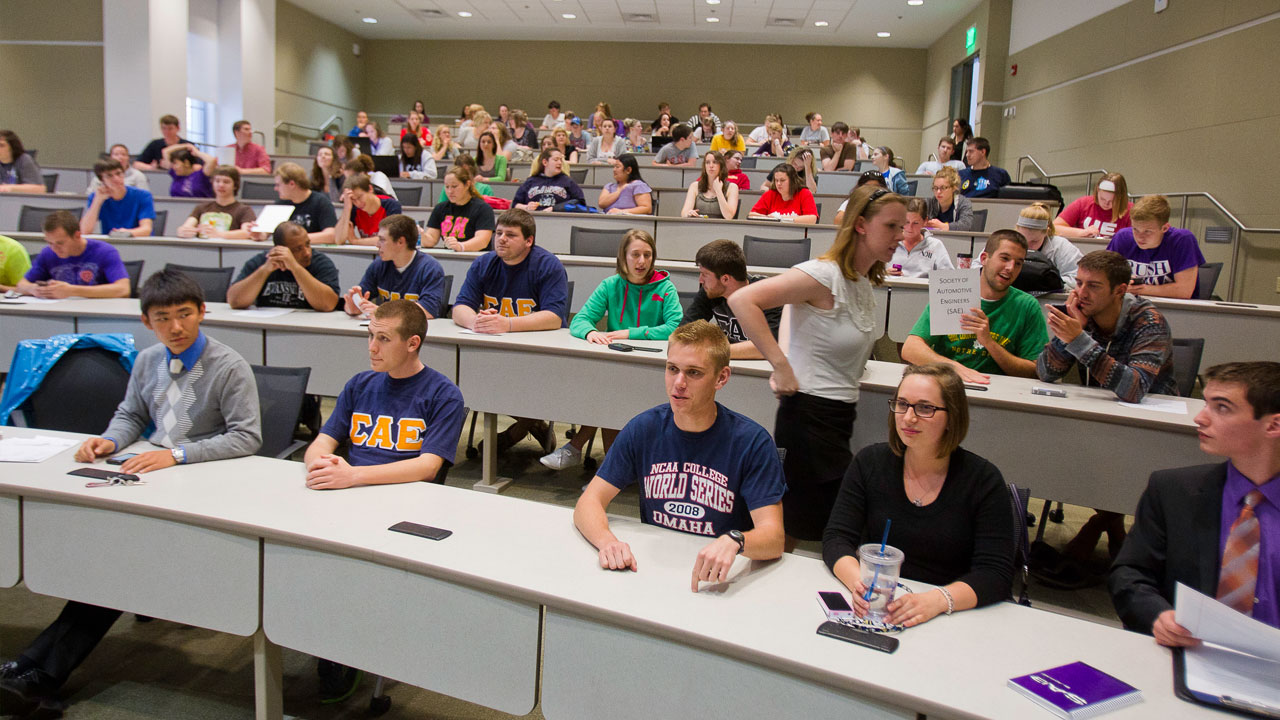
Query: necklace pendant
{"points": [[917, 502]]}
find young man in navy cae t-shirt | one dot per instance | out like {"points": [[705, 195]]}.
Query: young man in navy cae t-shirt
{"points": [[399, 273], [702, 468], [517, 287]]}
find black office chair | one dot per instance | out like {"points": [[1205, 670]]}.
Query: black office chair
{"points": [[579, 175], [410, 196], [80, 393], [1207, 276], [595, 242], [134, 269], [280, 394], [748, 162], [979, 221], [775, 252], [445, 305], [473, 452], [687, 297], [912, 186], [50, 182], [1018, 499], [213, 281], [258, 191], [160, 223], [1187, 353], [31, 218]]}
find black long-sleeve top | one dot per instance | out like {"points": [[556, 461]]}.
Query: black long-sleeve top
{"points": [[966, 534]]}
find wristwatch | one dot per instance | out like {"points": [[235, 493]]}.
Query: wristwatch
{"points": [[738, 537], [179, 455]]}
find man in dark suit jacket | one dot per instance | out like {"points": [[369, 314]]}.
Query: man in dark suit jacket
{"points": [[1181, 525]]}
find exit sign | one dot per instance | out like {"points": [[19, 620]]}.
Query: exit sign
{"points": [[970, 37]]}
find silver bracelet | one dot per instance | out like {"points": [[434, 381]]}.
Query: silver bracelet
{"points": [[951, 602]]}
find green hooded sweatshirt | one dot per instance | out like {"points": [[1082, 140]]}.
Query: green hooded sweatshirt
{"points": [[650, 311]]}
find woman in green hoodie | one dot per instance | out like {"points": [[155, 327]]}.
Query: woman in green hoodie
{"points": [[638, 303]]}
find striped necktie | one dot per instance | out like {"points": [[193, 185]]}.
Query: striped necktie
{"points": [[1239, 577]]}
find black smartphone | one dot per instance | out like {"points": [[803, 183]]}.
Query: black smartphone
{"points": [[102, 474], [857, 636], [121, 458], [425, 531]]}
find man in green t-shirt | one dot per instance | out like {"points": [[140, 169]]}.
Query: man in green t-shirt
{"points": [[14, 263], [1004, 337]]}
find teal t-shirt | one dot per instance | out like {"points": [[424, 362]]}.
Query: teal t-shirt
{"points": [[1017, 323]]}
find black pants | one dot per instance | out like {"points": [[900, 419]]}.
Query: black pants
{"points": [[813, 434], [60, 649]]}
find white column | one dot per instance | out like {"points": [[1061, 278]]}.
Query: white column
{"points": [[247, 66], [144, 66]]}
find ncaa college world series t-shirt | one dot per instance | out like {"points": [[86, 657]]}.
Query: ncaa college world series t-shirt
{"points": [[704, 483]]}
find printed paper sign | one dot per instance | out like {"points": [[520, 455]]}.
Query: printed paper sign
{"points": [[951, 294]]}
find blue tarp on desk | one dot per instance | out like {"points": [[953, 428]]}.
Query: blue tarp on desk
{"points": [[33, 359]]}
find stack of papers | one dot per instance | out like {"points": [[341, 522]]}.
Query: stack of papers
{"points": [[32, 449], [1239, 662]]}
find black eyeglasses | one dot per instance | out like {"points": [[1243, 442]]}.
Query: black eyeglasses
{"points": [[923, 409]]}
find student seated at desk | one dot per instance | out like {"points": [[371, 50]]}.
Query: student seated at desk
{"points": [[1004, 337], [548, 186], [223, 218], [18, 170], [15, 261], [711, 195], [681, 151], [693, 452], [466, 161], [1214, 528], [190, 170], [918, 253], [1165, 260], [74, 266], [152, 156], [637, 303], [121, 209], [949, 507], [722, 271], [402, 418], [518, 287], [209, 412], [1121, 343], [463, 220], [251, 158], [362, 210], [788, 200], [399, 273], [311, 210], [289, 275], [980, 178], [133, 177], [948, 209], [628, 194], [1100, 214], [363, 164]]}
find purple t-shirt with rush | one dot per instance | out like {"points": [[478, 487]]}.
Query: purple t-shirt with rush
{"points": [[197, 184], [99, 264], [1177, 252]]}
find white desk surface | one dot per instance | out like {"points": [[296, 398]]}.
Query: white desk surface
{"points": [[524, 551]]}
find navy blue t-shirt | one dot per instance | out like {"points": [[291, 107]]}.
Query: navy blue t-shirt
{"points": [[704, 483], [538, 283], [422, 282], [983, 183], [387, 419]]}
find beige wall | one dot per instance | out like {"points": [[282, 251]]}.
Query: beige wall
{"points": [[317, 75], [44, 82], [1205, 117], [880, 90]]}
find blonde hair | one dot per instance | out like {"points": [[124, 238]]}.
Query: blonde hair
{"points": [[706, 336], [439, 136], [1039, 211], [773, 127], [1150, 207], [643, 236], [949, 174], [866, 201]]}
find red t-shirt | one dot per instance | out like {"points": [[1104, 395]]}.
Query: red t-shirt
{"points": [[424, 135], [741, 180], [367, 224], [800, 204], [1086, 214]]}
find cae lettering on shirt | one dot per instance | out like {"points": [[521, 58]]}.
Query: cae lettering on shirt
{"points": [[387, 433], [508, 307], [386, 295]]}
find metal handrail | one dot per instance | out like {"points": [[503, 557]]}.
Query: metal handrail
{"points": [[315, 131]]}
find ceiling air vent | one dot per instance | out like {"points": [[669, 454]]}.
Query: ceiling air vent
{"points": [[784, 22], [639, 18], [433, 13]]}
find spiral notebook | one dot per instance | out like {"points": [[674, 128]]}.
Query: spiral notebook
{"points": [[1076, 691]]}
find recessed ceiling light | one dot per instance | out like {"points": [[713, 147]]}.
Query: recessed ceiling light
{"points": [[569, 16], [713, 19], [464, 13], [821, 23], [371, 21], [882, 34], [915, 2], [713, 2]]}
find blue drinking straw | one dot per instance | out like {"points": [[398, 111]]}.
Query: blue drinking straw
{"points": [[883, 539]]}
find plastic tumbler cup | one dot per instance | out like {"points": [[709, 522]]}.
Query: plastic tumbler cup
{"points": [[880, 573], [966, 260]]}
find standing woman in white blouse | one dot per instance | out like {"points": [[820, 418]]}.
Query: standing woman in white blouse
{"points": [[829, 332]]}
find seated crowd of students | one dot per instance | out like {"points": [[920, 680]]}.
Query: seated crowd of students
{"points": [[755, 493]]}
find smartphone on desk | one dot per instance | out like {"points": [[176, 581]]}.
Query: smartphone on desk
{"points": [[121, 458], [424, 531]]}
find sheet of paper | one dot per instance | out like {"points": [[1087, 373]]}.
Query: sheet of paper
{"points": [[1172, 406], [1222, 672], [32, 449], [1213, 622], [27, 300], [271, 216], [951, 293], [226, 155], [257, 312], [465, 331]]}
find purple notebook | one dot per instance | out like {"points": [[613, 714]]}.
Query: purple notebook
{"points": [[1076, 691]]}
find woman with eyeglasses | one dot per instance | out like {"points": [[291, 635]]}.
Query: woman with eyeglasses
{"points": [[831, 328], [948, 209], [949, 508]]}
